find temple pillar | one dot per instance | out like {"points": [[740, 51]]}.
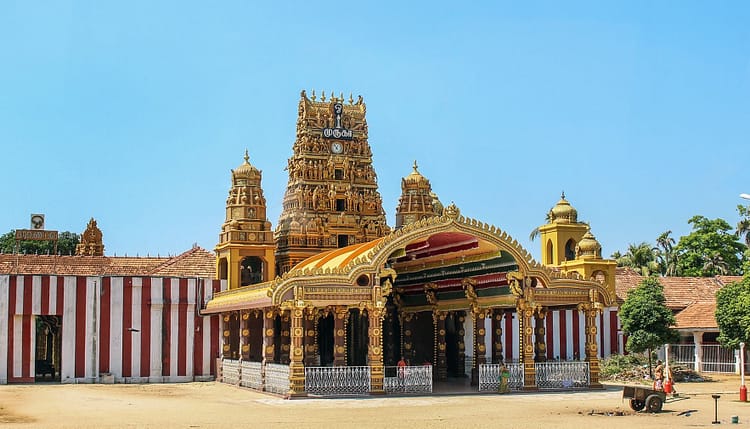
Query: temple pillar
{"points": [[310, 322], [440, 363], [226, 336], [540, 346], [480, 356], [245, 335], [375, 349], [407, 346], [459, 318], [498, 318], [339, 336], [591, 311], [269, 350], [526, 344], [286, 339], [296, 354]]}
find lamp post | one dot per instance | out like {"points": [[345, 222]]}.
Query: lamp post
{"points": [[743, 389]]}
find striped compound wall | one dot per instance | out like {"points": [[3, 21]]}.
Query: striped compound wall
{"points": [[138, 329]]}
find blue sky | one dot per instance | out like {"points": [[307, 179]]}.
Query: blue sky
{"points": [[134, 112]]}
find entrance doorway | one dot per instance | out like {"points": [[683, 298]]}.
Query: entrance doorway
{"points": [[325, 340], [453, 335], [357, 339], [48, 348]]}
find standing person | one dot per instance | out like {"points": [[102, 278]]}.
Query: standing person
{"points": [[401, 369], [504, 377], [659, 376]]}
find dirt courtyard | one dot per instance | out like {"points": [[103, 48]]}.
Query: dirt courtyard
{"points": [[214, 405]]}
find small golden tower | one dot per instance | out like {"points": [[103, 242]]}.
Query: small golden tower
{"points": [[560, 236], [417, 200], [570, 246], [91, 241], [332, 197], [245, 253]]}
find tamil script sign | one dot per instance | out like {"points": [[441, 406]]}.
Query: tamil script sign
{"points": [[35, 234]]}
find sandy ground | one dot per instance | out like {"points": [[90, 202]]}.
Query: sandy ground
{"points": [[215, 405]]}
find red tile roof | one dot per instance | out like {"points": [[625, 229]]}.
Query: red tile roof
{"points": [[697, 315], [678, 291], [196, 262]]}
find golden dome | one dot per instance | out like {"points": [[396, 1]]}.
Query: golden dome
{"points": [[415, 177], [246, 170], [563, 212], [588, 247]]}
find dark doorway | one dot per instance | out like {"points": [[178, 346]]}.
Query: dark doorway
{"points": [[234, 335], [343, 240], [251, 270], [357, 339], [48, 348], [325, 340], [423, 338], [391, 336]]}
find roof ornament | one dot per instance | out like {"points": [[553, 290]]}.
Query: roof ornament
{"points": [[452, 212], [247, 157], [415, 166], [563, 195]]}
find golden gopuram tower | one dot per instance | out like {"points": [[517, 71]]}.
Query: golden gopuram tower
{"points": [[417, 200], [332, 197], [245, 253]]}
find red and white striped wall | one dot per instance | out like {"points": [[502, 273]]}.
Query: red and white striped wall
{"points": [[138, 329], [565, 334]]}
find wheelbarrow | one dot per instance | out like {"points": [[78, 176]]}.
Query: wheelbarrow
{"points": [[642, 397]]}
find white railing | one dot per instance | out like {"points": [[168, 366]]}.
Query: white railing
{"points": [[408, 379], [277, 378], [337, 380], [489, 377], [682, 354], [718, 359], [562, 375], [251, 375], [230, 371]]}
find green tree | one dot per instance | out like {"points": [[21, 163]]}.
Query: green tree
{"points": [[710, 249], [733, 311], [646, 319], [666, 256], [639, 257], [66, 244]]}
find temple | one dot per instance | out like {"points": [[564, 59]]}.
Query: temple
{"points": [[449, 294]]}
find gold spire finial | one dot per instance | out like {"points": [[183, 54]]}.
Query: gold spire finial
{"points": [[341, 96], [313, 96], [415, 166], [323, 96], [351, 99], [563, 195], [247, 157]]}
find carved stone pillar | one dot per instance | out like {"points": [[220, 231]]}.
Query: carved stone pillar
{"points": [[226, 339], [407, 348], [540, 346], [296, 367], [440, 364], [498, 318], [480, 350], [245, 335], [526, 346], [591, 311], [310, 345], [339, 336], [375, 349], [459, 319], [269, 350], [285, 337]]}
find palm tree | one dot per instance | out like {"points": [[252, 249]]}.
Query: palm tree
{"points": [[665, 254], [715, 264], [639, 257], [535, 232], [743, 226]]}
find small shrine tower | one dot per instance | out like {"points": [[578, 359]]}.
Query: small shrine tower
{"points": [[332, 197], [91, 241], [417, 200], [245, 253], [570, 246]]}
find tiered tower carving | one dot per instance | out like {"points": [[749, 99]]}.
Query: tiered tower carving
{"points": [[417, 200], [332, 197], [245, 253], [91, 241]]}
